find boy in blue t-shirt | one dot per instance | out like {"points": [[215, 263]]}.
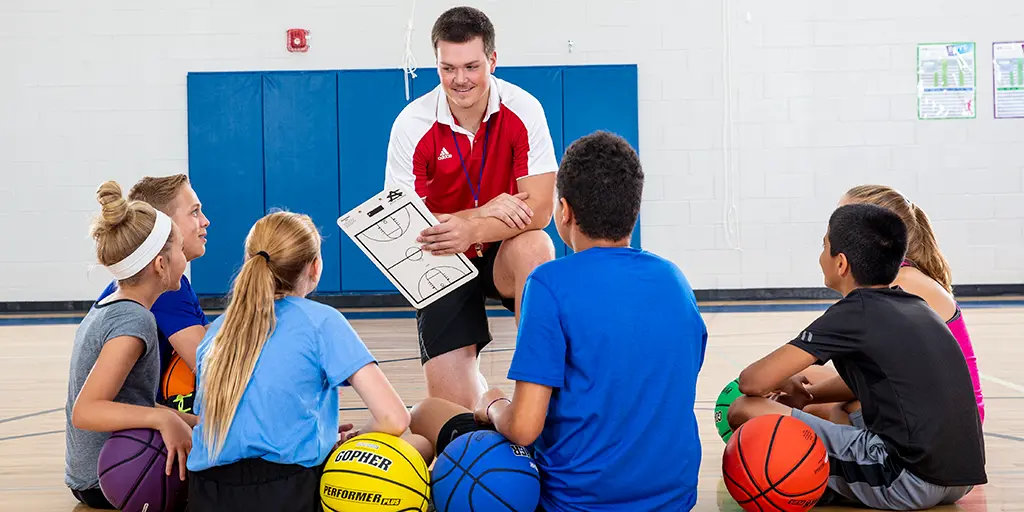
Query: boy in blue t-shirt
{"points": [[609, 347], [180, 320]]}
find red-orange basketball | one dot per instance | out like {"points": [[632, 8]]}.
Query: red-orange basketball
{"points": [[775, 463], [178, 379]]}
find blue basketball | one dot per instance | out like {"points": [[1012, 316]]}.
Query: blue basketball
{"points": [[483, 472]]}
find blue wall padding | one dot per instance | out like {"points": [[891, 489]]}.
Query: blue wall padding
{"points": [[300, 130], [225, 154], [316, 142], [594, 100], [545, 84], [365, 127]]}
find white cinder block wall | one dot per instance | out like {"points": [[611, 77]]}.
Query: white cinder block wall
{"points": [[756, 113]]}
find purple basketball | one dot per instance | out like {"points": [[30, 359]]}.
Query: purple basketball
{"points": [[131, 469]]}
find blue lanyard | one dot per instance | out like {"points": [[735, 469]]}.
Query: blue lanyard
{"points": [[483, 160]]}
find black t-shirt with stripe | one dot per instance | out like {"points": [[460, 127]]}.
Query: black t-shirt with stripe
{"points": [[904, 365]]}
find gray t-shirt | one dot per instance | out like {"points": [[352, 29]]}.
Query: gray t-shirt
{"points": [[103, 323]]}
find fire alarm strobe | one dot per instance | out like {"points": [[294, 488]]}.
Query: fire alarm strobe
{"points": [[298, 40]]}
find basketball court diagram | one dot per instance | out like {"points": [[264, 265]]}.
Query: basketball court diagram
{"points": [[386, 227]]}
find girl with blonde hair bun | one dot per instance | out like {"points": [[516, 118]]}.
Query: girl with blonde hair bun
{"points": [[115, 359], [268, 374]]}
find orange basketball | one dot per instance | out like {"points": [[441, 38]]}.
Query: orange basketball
{"points": [[775, 462], [178, 379]]}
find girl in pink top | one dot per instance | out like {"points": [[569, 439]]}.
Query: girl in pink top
{"points": [[925, 272]]}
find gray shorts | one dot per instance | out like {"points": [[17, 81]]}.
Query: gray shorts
{"points": [[862, 472]]}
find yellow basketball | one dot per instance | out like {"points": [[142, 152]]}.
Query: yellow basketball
{"points": [[374, 472]]}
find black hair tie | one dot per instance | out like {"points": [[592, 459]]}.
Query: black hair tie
{"points": [[265, 255]]}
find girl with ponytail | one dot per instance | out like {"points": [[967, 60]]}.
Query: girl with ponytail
{"points": [[925, 273], [115, 359], [268, 376]]}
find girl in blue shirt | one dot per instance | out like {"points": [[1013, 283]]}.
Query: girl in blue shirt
{"points": [[268, 374]]}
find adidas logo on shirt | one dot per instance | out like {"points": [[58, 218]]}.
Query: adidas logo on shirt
{"points": [[444, 154]]}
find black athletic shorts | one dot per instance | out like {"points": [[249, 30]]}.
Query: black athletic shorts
{"points": [[255, 484], [459, 319], [93, 498], [458, 425]]}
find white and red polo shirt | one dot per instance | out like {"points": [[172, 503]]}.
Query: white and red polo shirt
{"points": [[446, 165]]}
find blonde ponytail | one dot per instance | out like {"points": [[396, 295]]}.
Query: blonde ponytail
{"points": [[278, 251], [925, 253], [922, 246]]}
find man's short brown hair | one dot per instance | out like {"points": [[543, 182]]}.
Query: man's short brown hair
{"points": [[462, 24], [159, 192]]}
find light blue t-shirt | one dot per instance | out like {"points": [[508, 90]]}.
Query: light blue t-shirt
{"points": [[617, 335], [289, 411]]}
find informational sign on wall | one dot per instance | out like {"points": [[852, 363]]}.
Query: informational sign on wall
{"points": [[946, 84], [1008, 79]]}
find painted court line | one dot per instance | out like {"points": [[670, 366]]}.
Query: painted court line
{"points": [[34, 434], [31, 414], [1001, 382]]}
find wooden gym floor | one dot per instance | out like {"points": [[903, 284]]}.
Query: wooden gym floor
{"points": [[34, 365]]}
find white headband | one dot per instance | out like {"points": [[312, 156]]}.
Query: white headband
{"points": [[150, 248]]}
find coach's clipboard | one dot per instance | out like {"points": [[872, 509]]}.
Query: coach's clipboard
{"points": [[385, 228]]}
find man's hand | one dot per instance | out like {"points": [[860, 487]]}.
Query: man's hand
{"points": [[512, 210], [453, 235]]}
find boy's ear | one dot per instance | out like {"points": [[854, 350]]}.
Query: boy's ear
{"points": [[567, 213], [844, 265]]}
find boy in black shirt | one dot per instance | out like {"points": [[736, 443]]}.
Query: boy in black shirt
{"points": [[917, 440]]}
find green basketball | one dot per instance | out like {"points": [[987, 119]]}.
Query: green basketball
{"points": [[730, 393]]}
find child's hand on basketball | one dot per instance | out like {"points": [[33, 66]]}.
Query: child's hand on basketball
{"points": [[453, 235], [794, 392], [485, 401], [346, 432], [177, 436]]}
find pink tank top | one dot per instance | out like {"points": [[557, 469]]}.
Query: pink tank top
{"points": [[959, 329]]}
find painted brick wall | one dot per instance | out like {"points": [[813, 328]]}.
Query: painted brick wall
{"points": [[754, 118]]}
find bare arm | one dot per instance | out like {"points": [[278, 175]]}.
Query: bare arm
{"points": [[95, 409], [540, 190], [387, 411], [186, 341], [915, 282], [831, 390], [522, 420], [771, 371], [189, 419]]}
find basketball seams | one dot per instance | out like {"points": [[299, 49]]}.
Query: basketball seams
{"points": [[332, 509], [399, 484], [455, 463], [125, 461], [476, 482], [768, 455], [162, 450], [143, 473], [796, 466], [396, 450], [743, 460], [771, 486], [465, 471]]}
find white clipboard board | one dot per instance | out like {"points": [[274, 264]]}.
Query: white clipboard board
{"points": [[385, 228]]}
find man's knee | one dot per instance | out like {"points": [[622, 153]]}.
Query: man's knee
{"points": [[528, 250], [455, 376]]}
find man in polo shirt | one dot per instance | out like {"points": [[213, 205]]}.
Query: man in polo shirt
{"points": [[479, 152]]}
